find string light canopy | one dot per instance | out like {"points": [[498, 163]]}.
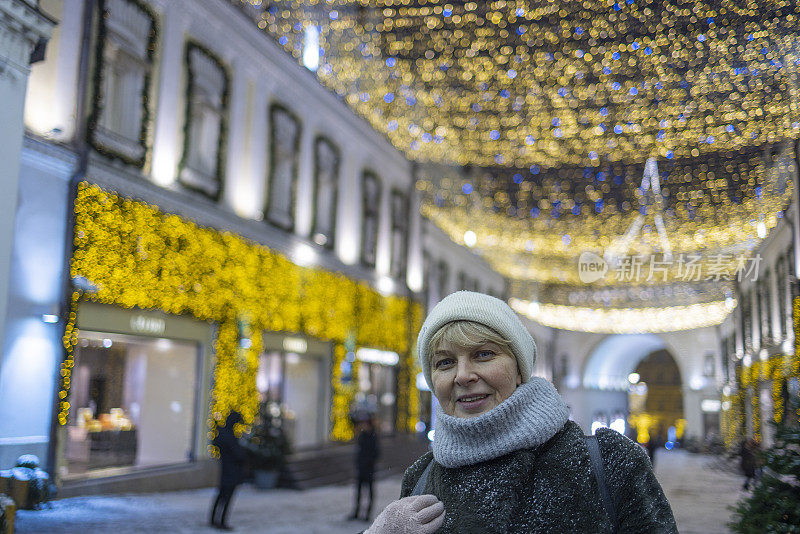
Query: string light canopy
{"points": [[532, 123], [552, 83]]}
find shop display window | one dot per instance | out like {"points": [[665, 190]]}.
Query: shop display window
{"points": [[133, 403], [296, 384], [377, 392]]}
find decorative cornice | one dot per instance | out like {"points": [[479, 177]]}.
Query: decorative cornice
{"points": [[57, 160], [22, 25]]}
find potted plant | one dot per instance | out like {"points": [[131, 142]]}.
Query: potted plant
{"points": [[268, 445]]}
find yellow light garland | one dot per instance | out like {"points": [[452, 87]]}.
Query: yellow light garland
{"points": [[732, 422], [755, 404], [532, 121], [777, 369], [138, 256], [69, 340], [563, 82], [624, 320]]}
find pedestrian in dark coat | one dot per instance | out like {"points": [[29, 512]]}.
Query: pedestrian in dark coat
{"points": [[748, 460], [367, 455], [232, 457], [506, 458], [652, 446]]}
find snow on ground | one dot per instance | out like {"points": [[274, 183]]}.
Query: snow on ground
{"points": [[699, 488]]}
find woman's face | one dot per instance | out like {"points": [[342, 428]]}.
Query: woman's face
{"points": [[471, 381]]}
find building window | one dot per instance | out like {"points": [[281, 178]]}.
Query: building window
{"points": [[284, 154], [326, 179], [728, 350], [765, 310], [117, 125], [784, 297], [371, 196], [443, 273], [780, 296], [709, 366], [399, 233], [206, 111], [747, 322], [472, 284], [426, 278], [133, 400]]}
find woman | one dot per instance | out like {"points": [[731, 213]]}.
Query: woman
{"points": [[505, 456], [232, 456]]}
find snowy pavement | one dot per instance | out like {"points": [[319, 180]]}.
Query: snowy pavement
{"points": [[699, 488]]}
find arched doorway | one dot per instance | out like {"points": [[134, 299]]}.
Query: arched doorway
{"points": [[655, 399], [608, 394]]}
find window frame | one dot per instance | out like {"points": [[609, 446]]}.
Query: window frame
{"points": [[764, 308], [98, 136], [747, 322], [372, 212], [269, 216], [442, 278], [183, 167], [331, 239], [399, 266]]}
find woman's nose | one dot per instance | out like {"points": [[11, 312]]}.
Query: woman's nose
{"points": [[465, 372]]}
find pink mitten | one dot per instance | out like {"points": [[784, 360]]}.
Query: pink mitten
{"points": [[418, 514]]}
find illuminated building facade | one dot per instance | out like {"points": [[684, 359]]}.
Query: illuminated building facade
{"points": [[761, 363], [202, 226]]}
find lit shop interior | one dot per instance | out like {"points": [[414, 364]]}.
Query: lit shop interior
{"points": [[134, 401], [294, 375]]}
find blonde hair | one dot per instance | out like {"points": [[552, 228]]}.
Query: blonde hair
{"points": [[468, 334]]}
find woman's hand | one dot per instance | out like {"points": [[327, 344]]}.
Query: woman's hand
{"points": [[418, 514]]}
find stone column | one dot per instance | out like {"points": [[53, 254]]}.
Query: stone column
{"points": [[22, 26]]}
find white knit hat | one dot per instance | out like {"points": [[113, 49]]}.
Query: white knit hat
{"points": [[483, 309]]}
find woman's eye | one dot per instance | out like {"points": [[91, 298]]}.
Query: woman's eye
{"points": [[485, 354], [444, 362]]}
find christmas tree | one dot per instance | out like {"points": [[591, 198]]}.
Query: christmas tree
{"points": [[774, 505], [267, 442]]}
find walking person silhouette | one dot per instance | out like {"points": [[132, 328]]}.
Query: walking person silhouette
{"points": [[232, 456], [366, 456]]}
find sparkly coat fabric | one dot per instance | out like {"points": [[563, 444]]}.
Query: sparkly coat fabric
{"points": [[549, 488]]}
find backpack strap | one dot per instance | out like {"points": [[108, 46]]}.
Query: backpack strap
{"points": [[419, 487], [599, 475]]}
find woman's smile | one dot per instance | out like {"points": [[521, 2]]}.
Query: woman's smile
{"points": [[472, 403]]}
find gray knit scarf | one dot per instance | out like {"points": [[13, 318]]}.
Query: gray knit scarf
{"points": [[529, 417]]}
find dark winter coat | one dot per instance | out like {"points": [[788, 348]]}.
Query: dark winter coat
{"points": [[367, 454], [550, 488], [748, 460], [231, 453]]}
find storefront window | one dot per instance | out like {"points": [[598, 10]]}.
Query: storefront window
{"points": [[269, 377], [377, 392], [297, 382], [133, 402]]}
